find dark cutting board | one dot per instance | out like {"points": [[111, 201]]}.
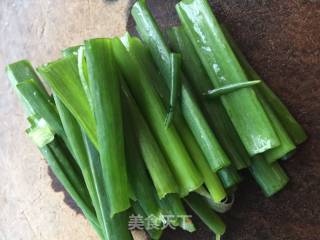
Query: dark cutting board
{"points": [[282, 41]]}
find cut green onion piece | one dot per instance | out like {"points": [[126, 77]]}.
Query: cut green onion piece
{"points": [[211, 179], [172, 205], [138, 176], [53, 160], [286, 144], [203, 210], [117, 227], [156, 164], [223, 69], [218, 92], [293, 128], [74, 135], [151, 35], [175, 87], [154, 233], [40, 133], [42, 105], [21, 71], [63, 77], [270, 177], [217, 115], [139, 83], [229, 177], [104, 84]]}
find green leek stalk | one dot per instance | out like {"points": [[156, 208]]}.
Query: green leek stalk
{"points": [[104, 84], [254, 127], [63, 77], [154, 233], [19, 72], [160, 173], [151, 36], [218, 92], [286, 144], [116, 227], [203, 210], [173, 207], [229, 177], [150, 103], [211, 179], [54, 157], [77, 144], [137, 173], [200, 82], [293, 128], [61, 164], [270, 177]]}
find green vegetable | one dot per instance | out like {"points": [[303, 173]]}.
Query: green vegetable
{"points": [[54, 156], [175, 63], [218, 92], [270, 177], [42, 105], [157, 166], [63, 77], [154, 233], [104, 84], [223, 69], [137, 173], [293, 128], [77, 144], [229, 177], [117, 226], [151, 35], [173, 208], [203, 210], [221, 125], [20, 71], [150, 103], [211, 179]]}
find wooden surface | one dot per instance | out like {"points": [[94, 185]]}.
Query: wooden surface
{"points": [[280, 38], [38, 30]]}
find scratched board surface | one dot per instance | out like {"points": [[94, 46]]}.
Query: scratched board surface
{"points": [[282, 41]]}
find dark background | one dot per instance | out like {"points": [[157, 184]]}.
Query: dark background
{"points": [[282, 41]]}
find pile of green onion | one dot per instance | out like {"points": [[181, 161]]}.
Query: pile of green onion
{"points": [[142, 126]]}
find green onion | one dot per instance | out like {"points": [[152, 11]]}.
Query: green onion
{"points": [[175, 61], [137, 173], [63, 77], [154, 233], [42, 105], [270, 177], [116, 227], [223, 69], [218, 92], [74, 135], [139, 83], [104, 85], [151, 35], [153, 157], [211, 179], [221, 125], [293, 128], [229, 177], [203, 210], [52, 157], [20, 71], [173, 208]]}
